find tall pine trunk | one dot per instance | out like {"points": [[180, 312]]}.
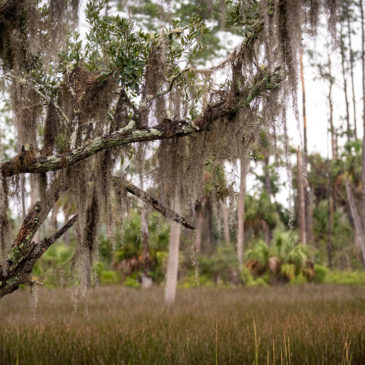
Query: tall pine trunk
{"points": [[330, 220], [301, 199], [331, 203], [351, 56], [344, 79], [307, 197], [268, 190], [330, 104], [363, 113]]}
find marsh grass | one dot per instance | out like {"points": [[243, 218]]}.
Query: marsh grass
{"points": [[115, 325]]}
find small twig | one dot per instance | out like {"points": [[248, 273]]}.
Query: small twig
{"points": [[48, 99], [162, 93]]}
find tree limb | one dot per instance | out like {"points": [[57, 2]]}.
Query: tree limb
{"points": [[150, 200], [129, 134], [14, 275], [6, 5]]}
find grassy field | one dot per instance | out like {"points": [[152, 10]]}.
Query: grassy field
{"points": [[115, 325]]}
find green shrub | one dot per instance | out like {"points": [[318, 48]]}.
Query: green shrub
{"points": [[105, 276], [257, 282], [109, 277], [222, 265], [299, 279], [246, 277], [52, 268], [346, 277], [320, 273], [131, 282], [289, 271], [105, 249], [259, 252], [191, 281]]}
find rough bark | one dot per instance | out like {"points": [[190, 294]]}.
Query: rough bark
{"points": [[7, 5], [23, 245], [11, 278]]}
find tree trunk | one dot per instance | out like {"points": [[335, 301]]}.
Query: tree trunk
{"points": [[349, 31], [241, 209], [362, 210], [3, 209], [89, 239], [146, 280], [330, 104], [268, 190], [199, 228], [330, 222], [67, 233], [209, 221], [304, 106], [268, 187], [359, 231], [227, 237], [22, 193], [34, 196], [54, 222], [173, 259], [301, 199], [307, 202], [342, 51]]}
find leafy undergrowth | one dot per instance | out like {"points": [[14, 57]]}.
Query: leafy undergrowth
{"points": [[114, 325]]}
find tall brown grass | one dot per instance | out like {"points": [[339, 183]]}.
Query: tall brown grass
{"points": [[115, 325]]}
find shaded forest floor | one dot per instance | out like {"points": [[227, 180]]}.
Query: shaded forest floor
{"points": [[115, 325]]}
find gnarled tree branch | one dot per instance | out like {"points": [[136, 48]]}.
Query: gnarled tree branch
{"points": [[129, 134], [24, 252], [13, 276], [150, 200]]}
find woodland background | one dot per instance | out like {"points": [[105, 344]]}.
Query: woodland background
{"points": [[168, 147]]}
